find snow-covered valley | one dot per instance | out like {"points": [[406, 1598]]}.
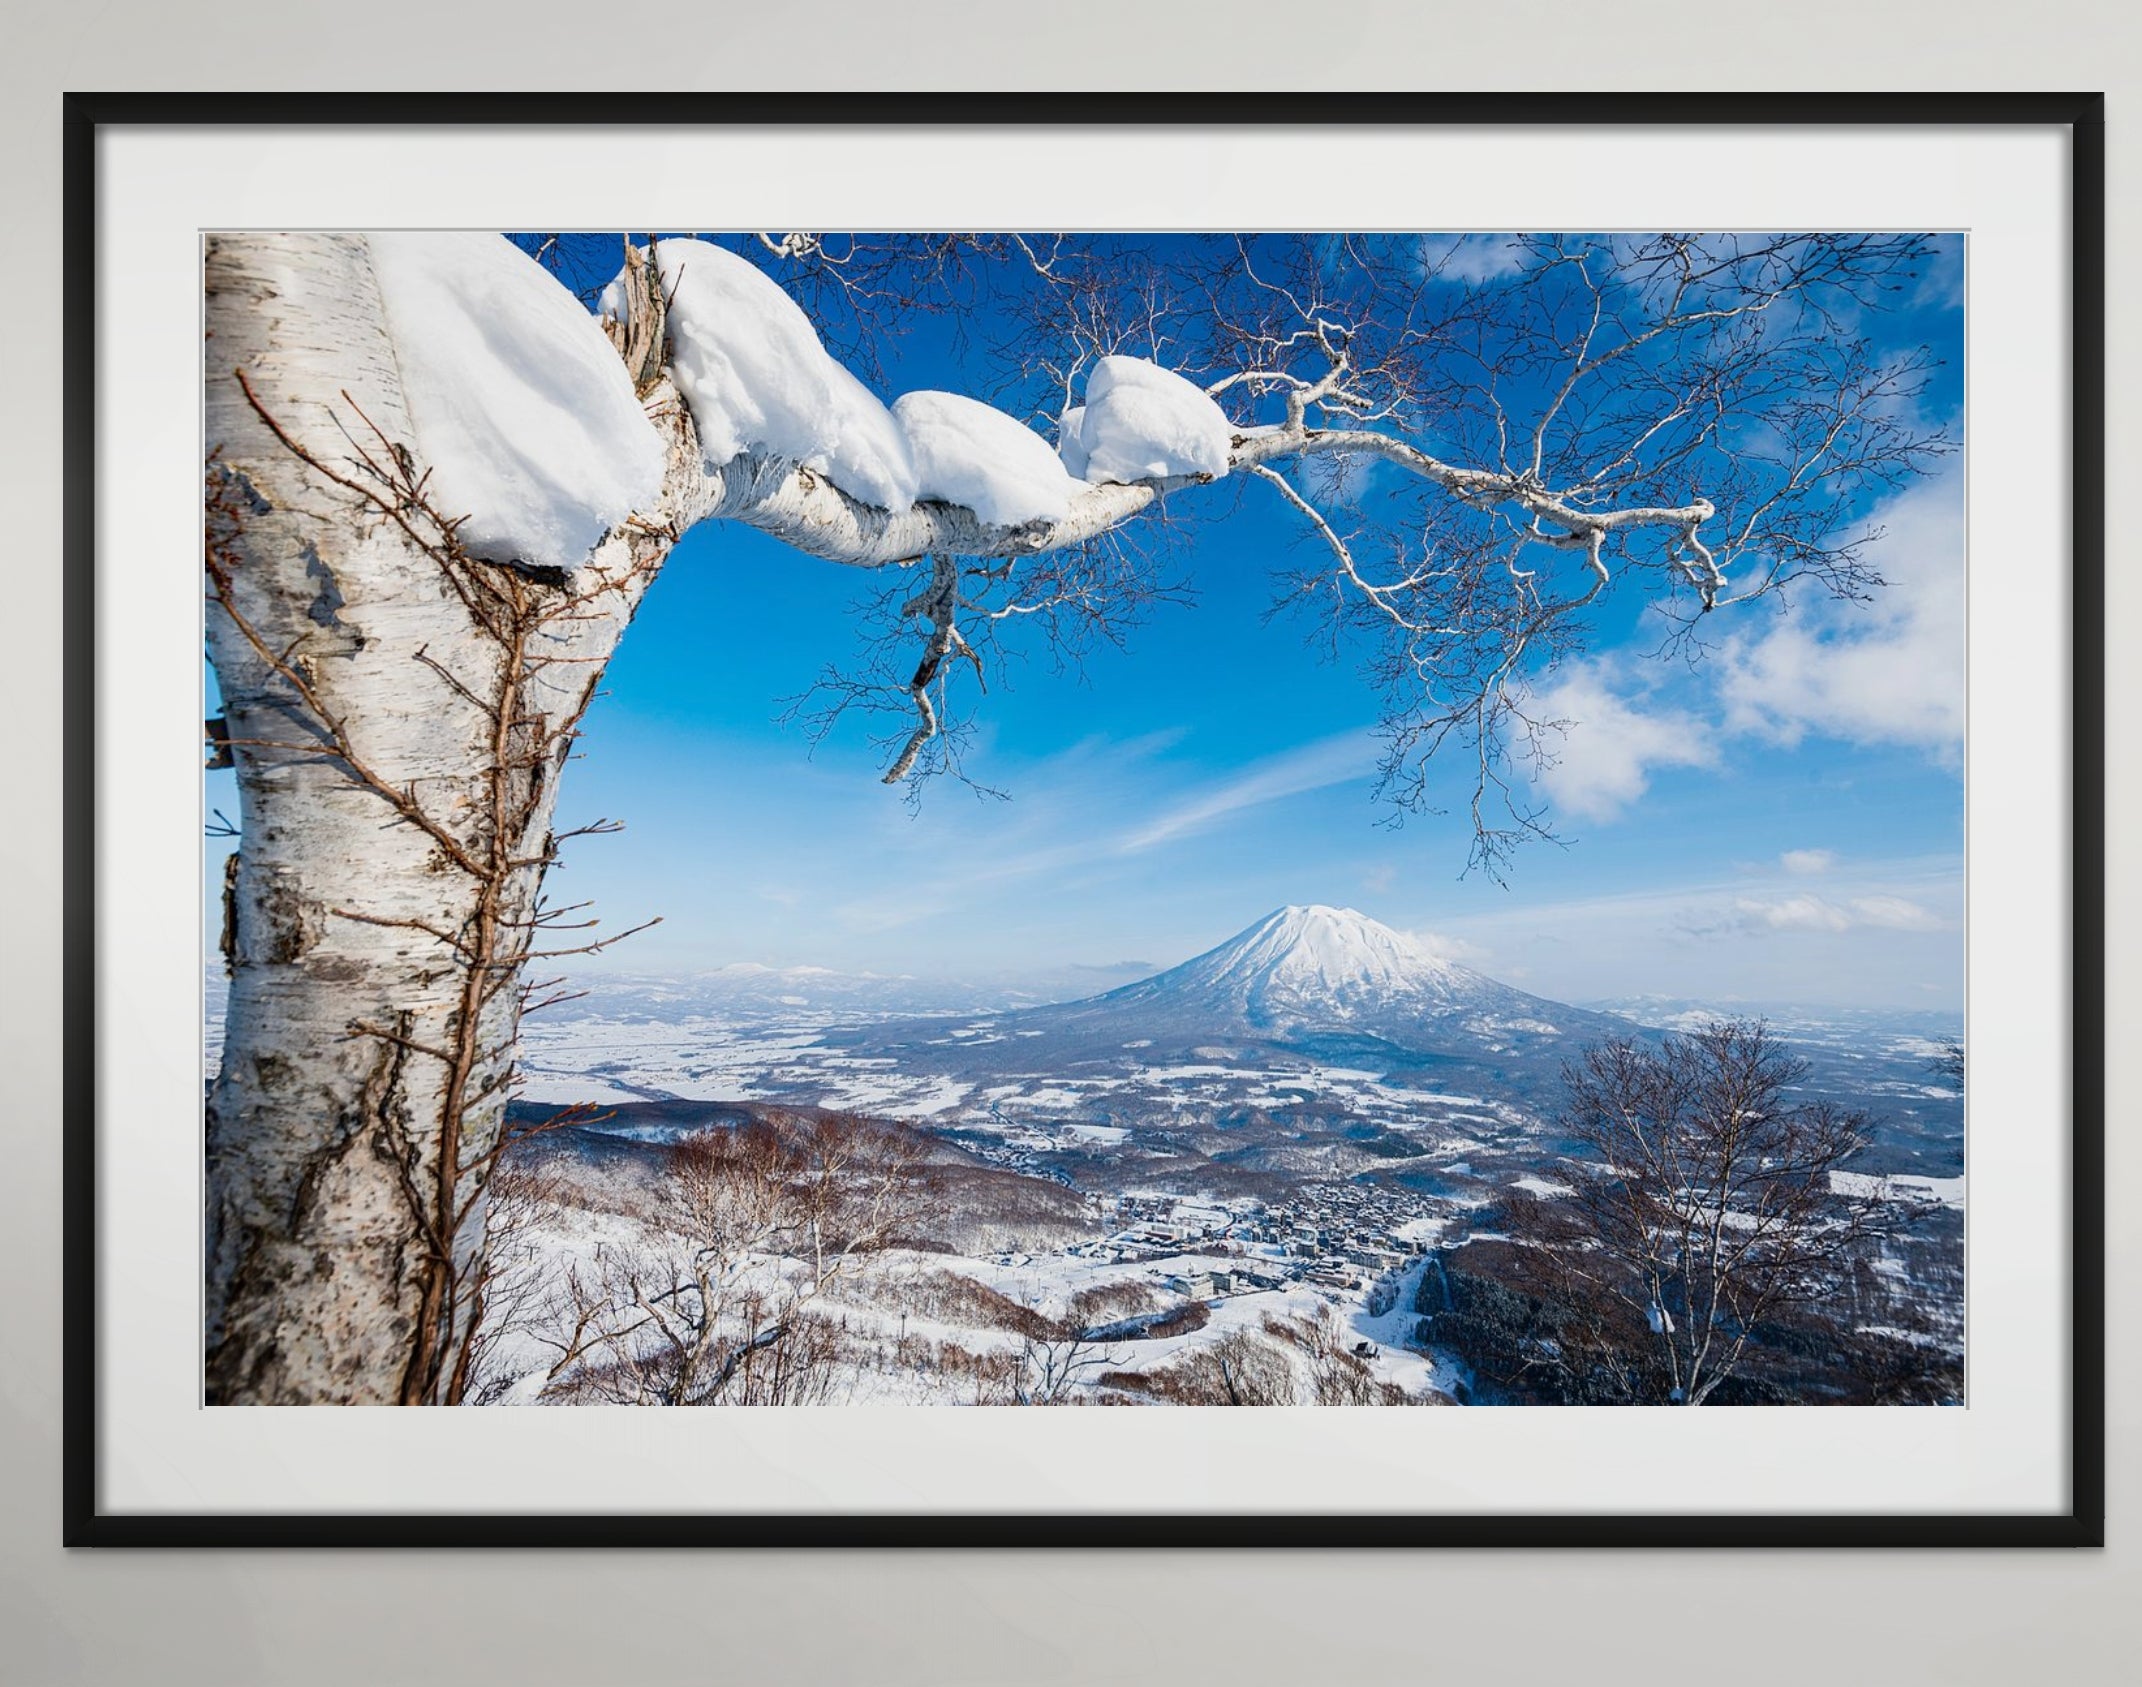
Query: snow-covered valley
{"points": [[1274, 1145]]}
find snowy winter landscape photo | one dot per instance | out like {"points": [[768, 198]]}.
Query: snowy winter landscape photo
{"points": [[1055, 819]]}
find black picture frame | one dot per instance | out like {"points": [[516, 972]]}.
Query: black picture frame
{"points": [[2082, 1525]]}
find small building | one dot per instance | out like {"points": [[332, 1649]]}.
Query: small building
{"points": [[1375, 1258]]}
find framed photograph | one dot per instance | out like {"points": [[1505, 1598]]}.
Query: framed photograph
{"points": [[1430, 766]]}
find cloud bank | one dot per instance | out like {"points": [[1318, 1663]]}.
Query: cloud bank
{"points": [[1890, 671]]}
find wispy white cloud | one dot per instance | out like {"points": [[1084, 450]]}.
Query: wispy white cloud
{"points": [[1470, 258], [1890, 671], [1446, 947], [1610, 744], [1754, 915], [1877, 933], [1895, 913], [1791, 913], [1941, 282], [1072, 823], [1328, 761], [1805, 863]]}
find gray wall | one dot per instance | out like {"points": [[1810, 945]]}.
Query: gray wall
{"points": [[417, 1617]]}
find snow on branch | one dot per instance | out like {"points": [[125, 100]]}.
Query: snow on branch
{"points": [[972, 455], [523, 413], [1142, 422], [751, 367]]}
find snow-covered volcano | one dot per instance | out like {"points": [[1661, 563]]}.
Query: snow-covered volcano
{"points": [[1300, 990], [1327, 966], [1314, 971]]}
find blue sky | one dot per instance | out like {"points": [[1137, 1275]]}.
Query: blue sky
{"points": [[1780, 822]]}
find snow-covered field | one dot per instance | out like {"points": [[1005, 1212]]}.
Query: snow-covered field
{"points": [[718, 1059], [899, 1354], [702, 1059], [1947, 1191]]}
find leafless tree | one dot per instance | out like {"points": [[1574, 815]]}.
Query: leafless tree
{"points": [[1060, 1350], [1240, 1369], [1338, 1376], [1053, 1364], [1708, 1208], [521, 1292], [714, 1303]]}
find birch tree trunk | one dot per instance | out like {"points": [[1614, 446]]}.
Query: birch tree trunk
{"points": [[398, 715]]}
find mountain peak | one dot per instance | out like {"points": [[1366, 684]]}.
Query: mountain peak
{"points": [[1339, 953], [1311, 965], [1308, 913]]}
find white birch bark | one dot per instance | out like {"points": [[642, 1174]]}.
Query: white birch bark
{"points": [[804, 509], [393, 830]]}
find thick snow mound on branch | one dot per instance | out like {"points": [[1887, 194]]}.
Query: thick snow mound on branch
{"points": [[1070, 449], [1143, 422], [525, 418], [750, 366], [972, 454]]}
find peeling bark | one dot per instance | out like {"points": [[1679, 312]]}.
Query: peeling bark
{"points": [[398, 715]]}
